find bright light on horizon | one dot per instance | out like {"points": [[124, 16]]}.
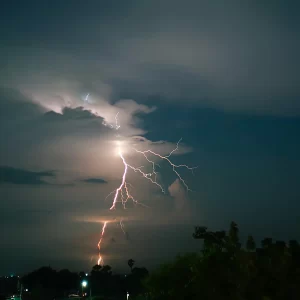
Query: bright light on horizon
{"points": [[84, 283]]}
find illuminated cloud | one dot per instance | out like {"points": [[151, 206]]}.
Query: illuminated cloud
{"points": [[179, 194], [196, 58]]}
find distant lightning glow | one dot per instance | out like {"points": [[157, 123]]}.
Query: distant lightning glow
{"points": [[87, 97], [100, 259]]}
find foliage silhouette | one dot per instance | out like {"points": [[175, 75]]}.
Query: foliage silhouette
{"points": [[225, 270], [131, 263]]}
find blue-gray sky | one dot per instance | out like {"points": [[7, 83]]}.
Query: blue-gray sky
{"points": [[223, 76]]}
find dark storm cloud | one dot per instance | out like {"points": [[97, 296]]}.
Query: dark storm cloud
{"points": [[26, 128], [16, 108], [15, 217], [20, 176], [238, 55], [95, 180], [78, 113], [72, 121], [25, 125], [71, 137]]}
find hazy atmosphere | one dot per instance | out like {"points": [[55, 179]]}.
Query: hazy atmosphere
{"points": [[224, 77]]}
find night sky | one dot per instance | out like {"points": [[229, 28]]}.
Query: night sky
{"points": [[221, 75]]}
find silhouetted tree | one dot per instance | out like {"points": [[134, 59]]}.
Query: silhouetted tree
{"points": [[233, 236], [81, 274], [266, 243], [96, 268], [225, 270], [250, 245], [131, 263], [222, 270], [46, 283]]}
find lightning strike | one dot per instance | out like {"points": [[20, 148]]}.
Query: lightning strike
{"points": [[116, 119], [122, 193], [123, 190], [100, 259], [166, 158], [116, 126], [122, 226]]}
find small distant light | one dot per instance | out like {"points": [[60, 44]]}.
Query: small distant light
{"points": [[86, 274], [26, 290]]}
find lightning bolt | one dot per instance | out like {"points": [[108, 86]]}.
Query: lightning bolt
{"points": [[167, 159], [122, 193], [117, 126], [123, 190], [122, 226], [100, 259]]}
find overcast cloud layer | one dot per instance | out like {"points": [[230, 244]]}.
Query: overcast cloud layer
{"points": [[238, 55], [221, 74]]}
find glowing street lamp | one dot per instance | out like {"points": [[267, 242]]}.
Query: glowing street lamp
{"points": [[83, 285]]}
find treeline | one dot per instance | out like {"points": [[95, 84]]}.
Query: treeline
{"points": [[47, 283], [226, 270], [8, 285], [223, 270]]}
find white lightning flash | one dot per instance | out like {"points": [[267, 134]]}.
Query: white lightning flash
{"points": [[116, 126], [123, 194], [116, 119]]}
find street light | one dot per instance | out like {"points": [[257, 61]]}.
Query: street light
{"points": [[83, 285]]}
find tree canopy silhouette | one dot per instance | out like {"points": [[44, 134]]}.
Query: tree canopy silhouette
{"points": [[131, 263], [223, 269]]}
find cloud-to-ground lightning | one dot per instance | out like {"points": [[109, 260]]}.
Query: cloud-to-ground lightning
{"points": [[100, 259], [123, 194], [123, 190]]}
